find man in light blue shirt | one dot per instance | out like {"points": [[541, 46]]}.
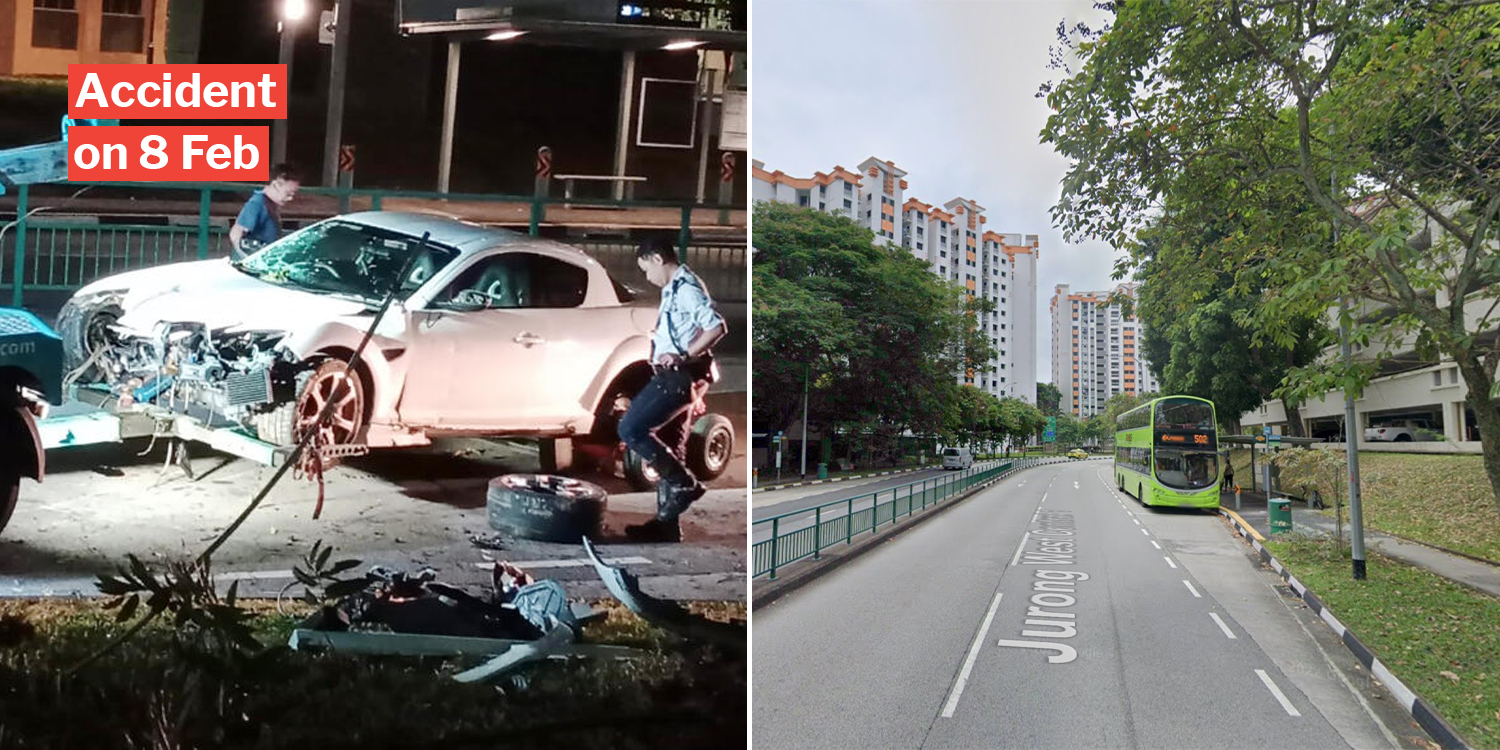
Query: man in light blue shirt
{"points": [[656, 427]]}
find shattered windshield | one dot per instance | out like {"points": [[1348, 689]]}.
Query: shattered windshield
{"points": [[342, 257]]}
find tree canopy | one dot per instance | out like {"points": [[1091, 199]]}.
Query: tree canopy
{"points": [[877, 337], [1353, 144]]}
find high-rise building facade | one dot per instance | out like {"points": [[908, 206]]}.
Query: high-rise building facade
{"points": [[1095, 349], [953, 240]]}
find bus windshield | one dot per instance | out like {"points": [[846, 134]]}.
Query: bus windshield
{"points": [[1184, 414], [1186, 469]]}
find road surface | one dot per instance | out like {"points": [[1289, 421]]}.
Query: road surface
{"points": [[1052, 611]]}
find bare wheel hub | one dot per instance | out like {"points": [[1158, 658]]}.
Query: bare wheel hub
{"points": [[342, 424]]}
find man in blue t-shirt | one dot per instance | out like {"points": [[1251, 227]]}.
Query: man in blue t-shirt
{"points": [[259, 222]]}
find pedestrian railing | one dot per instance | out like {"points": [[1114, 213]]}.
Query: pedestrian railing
{"points": [[44, 253], [806, 533]]}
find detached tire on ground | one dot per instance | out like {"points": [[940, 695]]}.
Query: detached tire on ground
{"points": [[546, 507], [710, 446]]}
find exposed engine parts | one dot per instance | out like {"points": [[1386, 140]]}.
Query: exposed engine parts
{"points": [[235, 374]]}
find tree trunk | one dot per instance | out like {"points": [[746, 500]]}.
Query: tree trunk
{"points": [[1293, 420], [1479, 382]]}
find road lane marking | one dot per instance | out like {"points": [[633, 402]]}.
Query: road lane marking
{"points": [[1169, 562], [1276, 691], [1075, 485], [1222, 626], [1137, 521], [1189, 584], [1020, 547], [1147, 533], [1044, 497], [963, 674], [1154, 544], [568, 563]]}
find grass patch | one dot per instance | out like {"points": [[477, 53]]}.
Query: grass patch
{"points": [[149, 693], [1442, 500], [1440, 638]]}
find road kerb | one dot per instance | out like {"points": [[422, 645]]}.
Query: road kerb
{"points": [[1421, 712]]}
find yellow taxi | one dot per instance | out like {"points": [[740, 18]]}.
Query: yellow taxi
{"points": [[1078, 453]]}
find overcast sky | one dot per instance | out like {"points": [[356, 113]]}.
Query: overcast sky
{"points": [[946, 89]]}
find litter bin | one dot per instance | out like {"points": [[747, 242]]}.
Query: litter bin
{"points": [[822, 471], [1280, 515]]}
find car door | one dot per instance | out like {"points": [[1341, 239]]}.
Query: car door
{"points": [[479, 353]]}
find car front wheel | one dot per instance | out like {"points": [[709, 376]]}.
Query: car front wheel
{"points": [[330, 381]]}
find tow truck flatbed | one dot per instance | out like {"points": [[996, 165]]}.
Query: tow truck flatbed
{"points": [[91, 417]]}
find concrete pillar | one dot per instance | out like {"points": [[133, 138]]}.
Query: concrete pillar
{"points": [[1453, 421]]}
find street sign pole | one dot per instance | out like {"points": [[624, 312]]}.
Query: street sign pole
{"points": [[333, 132]]}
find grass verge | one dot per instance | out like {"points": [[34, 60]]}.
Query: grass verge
{"points": [[153, 693], [1440, 638], [1441, 500]]}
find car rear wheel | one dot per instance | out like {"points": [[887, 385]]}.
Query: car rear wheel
{"points": [[1403, 438], [639, 472]]}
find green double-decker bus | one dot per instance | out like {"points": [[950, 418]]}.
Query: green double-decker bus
{"points": [[1166, 453]]}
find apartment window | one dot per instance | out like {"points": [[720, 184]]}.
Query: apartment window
{"points": [[822, 206], [920, 230], [943, 270], [848, 189], [123, 28], [802, 201], [943, 240], [54, 24], [1453, 376], [848, 204], [919, 245]]}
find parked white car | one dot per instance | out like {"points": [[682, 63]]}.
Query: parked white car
{"points": [[1401, 431], [491, 333]]}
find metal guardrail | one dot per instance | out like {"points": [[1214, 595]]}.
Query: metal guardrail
{"points": [[49, 254], [827, 527]]}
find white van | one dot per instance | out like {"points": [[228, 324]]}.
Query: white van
{"points": [[957, 458]]}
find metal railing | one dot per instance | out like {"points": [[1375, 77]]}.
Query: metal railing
{"points": [[807, 532], [44, 253]]}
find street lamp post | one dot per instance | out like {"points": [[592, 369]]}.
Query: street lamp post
{"points": [[291, 12]]}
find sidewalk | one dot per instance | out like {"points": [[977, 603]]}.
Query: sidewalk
{"points": [[1464, 570]]}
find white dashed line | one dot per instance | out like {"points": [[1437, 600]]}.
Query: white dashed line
{"points": [[1154, 544], [963, 675], [1169, 562], [1137, 521], [1222, 626], [1147, 533], [1276, 691], [1189, 584], [1020, 547]]}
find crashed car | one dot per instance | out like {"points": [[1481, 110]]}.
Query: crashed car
{"points": [[491, 333]]}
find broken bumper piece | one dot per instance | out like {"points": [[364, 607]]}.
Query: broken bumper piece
{"points": [[667, 615]]}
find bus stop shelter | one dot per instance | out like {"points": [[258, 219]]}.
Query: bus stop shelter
{"points": [[1264, 443]]}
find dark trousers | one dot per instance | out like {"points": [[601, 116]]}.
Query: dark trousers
{"points": [[656, 426]]}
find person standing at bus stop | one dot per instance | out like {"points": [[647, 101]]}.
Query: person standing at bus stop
{"points": [[687, 327], [259, 221]]}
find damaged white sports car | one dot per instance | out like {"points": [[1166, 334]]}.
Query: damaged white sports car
{"points": [[490, 333]]}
